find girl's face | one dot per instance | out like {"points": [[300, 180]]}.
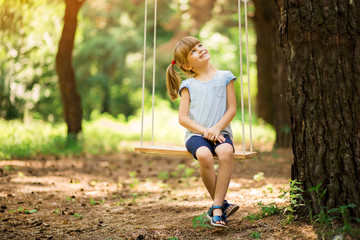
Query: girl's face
{"points": [[198, 56]]}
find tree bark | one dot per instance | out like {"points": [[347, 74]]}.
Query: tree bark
{"points": [[270, 99], [321, 47], [70, 97]]}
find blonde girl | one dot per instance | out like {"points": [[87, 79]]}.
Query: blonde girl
{"points": [[207, 106]]}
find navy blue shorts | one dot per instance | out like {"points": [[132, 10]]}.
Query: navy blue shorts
{"points": [[195, 142]]}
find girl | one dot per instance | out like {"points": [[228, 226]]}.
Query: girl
{"points": [[207, 106]]}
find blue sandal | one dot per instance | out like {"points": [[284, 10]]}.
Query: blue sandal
{"points": [[229, 208], [218, 221]]}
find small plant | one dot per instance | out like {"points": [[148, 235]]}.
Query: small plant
{"points": [[135, 180], [30, 211], [120, 202], [134, 197], [323, 218], [295, 198], [178, 170], [201, 221], [183, 171], [163, 175], [347, 228], [326, 218], [70, 199], [188, 172], [268, 210], [79, 216], [265, 211], [10, 168], [172, 238], [21, 210], [253, 217], [57, 211], [93, 202], [255, 235]]}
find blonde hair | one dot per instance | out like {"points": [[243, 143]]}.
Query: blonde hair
{"points": [[173, 76]]}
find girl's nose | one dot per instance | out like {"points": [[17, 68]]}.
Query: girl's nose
{"points": [[199, 49]]}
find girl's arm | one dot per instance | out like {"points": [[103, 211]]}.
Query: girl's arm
{"points": [[213, 133], [184, 119]]}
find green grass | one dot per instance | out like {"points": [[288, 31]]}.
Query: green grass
{"points": [[105, 134]]}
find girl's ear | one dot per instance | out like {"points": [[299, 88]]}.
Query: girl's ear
{"points": [[187, 67]]}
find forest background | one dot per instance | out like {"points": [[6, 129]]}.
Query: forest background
{"points": [[312, 47], [107, 60]]}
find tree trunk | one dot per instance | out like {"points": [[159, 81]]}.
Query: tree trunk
{"points": [[70, 97], [264, 15], [321, 48], [270, 99]]}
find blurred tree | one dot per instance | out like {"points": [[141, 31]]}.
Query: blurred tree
{"points": [[28, 30], [320, 43], [270, 99], [71, 101]]}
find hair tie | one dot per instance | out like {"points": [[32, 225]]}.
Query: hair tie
{"points": [[173, 62]]}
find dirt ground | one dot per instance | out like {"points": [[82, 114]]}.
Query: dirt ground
{"points": [[134, 196]]}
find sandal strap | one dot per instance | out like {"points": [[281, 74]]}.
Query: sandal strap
{"points": [[211, 210], [217, 218], [216, 207], [224, 218]]}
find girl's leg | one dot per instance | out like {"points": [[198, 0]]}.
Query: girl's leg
{"points": [[207, 171], [226, 156], [208, 175]]}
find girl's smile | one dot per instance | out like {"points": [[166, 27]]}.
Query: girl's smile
{"points": [[198, 56]]}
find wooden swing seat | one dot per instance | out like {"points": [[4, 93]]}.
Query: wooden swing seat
{"points": [[182, 152]]}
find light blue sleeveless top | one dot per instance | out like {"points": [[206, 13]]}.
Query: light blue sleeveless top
{"points": [[208, 101]]}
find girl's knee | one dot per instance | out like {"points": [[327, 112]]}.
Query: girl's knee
{"points": [[226, 153], [204, 156]]}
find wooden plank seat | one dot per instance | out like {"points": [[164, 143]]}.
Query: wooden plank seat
{"points": [[182, 152]]}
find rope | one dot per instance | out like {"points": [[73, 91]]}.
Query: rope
{"points": [[154, 68], [143, 78], [241, 77], [248, 72]]}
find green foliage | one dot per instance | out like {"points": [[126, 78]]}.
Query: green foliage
{"points": [[265, 211], [201, 221], [134, 180], [295, 198], [163, 175], [21, 210], [70, 199], [326, 218], [183, 171], [93, 202], [255, 235], [103, 134], [322, 217], [29, 31], [30, 211], [78, 216], [107, 56]]}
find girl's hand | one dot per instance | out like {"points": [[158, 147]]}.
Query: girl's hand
{"points": [[221, 139], [212, 134]]}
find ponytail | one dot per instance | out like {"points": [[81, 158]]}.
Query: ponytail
{"points": [[174, 76], [173, 82]]}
